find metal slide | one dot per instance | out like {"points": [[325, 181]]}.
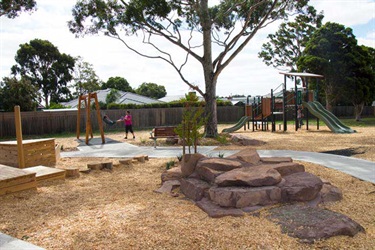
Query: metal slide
{"points": [[237, 126], [333, 123]]}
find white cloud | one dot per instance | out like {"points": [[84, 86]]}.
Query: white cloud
{"points": [[369, 40], [346, 12]]}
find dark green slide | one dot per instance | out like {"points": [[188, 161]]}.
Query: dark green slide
{"points": [[333, 123], [237, 126]]}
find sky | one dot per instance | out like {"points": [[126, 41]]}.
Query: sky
{"points": [[246, 74]]}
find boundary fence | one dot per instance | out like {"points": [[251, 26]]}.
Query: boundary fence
{"points": [[56, 122]]}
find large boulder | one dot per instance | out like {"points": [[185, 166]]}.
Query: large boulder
{"points": [[287, 168], [250, 156], [240, 197], [171, 174], [301, 186], [194, 189], [189, 162], [215, 211], [168, 186], [207, 173], [219, 164], [257, 176]]}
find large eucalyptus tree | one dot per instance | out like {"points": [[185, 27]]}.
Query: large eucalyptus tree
{"points": [[212, 33]]}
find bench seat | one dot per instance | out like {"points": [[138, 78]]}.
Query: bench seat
{"points": [[163, 132]]}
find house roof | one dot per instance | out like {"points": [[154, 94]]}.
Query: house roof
{"points": [[125, 98], [172, 98], [301, 74]]}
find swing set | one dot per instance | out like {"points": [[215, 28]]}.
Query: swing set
{"points": [[86, 99]]}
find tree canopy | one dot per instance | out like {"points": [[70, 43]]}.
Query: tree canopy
{"points": [[196, 27], [347, 67], [285, 46], [151, 90], [18, 92], [40, 62], [85, 77], [327, 53], [359, 87], [12, 8], [118, 83]]}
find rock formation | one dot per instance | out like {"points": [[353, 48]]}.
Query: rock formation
{"points": [[245, 182]]}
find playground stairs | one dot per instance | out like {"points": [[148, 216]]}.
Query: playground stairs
{"points": [[14, 179]]}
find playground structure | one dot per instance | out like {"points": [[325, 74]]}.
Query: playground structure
{"points": [[23, 160], [263, 110], [86, 99], [27, 153]]}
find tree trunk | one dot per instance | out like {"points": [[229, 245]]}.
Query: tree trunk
{"points": [[46, 100], [329, 94], [210, 77], [211, 111], [358, 108]]}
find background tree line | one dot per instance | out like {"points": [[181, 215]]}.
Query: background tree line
{"points": [[331, 49], [43, 74]]}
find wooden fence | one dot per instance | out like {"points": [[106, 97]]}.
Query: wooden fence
{"points": [[55, 122], [348, 111]]}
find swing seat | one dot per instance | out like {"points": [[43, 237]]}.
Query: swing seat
{"points": [[108, 121]]}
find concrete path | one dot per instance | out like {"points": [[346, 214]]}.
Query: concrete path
{"points": [[362, 169], [118, 149], [9, 243]]}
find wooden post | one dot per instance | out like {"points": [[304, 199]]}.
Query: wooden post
{"points": [[87, 100], [79, 116], [17, 117], [99, 117], [88, 119]]}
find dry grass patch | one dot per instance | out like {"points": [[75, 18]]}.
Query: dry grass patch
{"points": [[118, 209]]}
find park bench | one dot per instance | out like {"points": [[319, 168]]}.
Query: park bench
{"points": [[163, 132]]}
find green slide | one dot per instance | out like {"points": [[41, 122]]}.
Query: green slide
{"points": [[237, 126], [327, 117]]}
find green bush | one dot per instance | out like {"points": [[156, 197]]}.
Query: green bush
{"points": [[56, 106]]}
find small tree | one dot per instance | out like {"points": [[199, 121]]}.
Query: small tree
{"points": [[85, 78], [193, 120], [112, 96]]}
